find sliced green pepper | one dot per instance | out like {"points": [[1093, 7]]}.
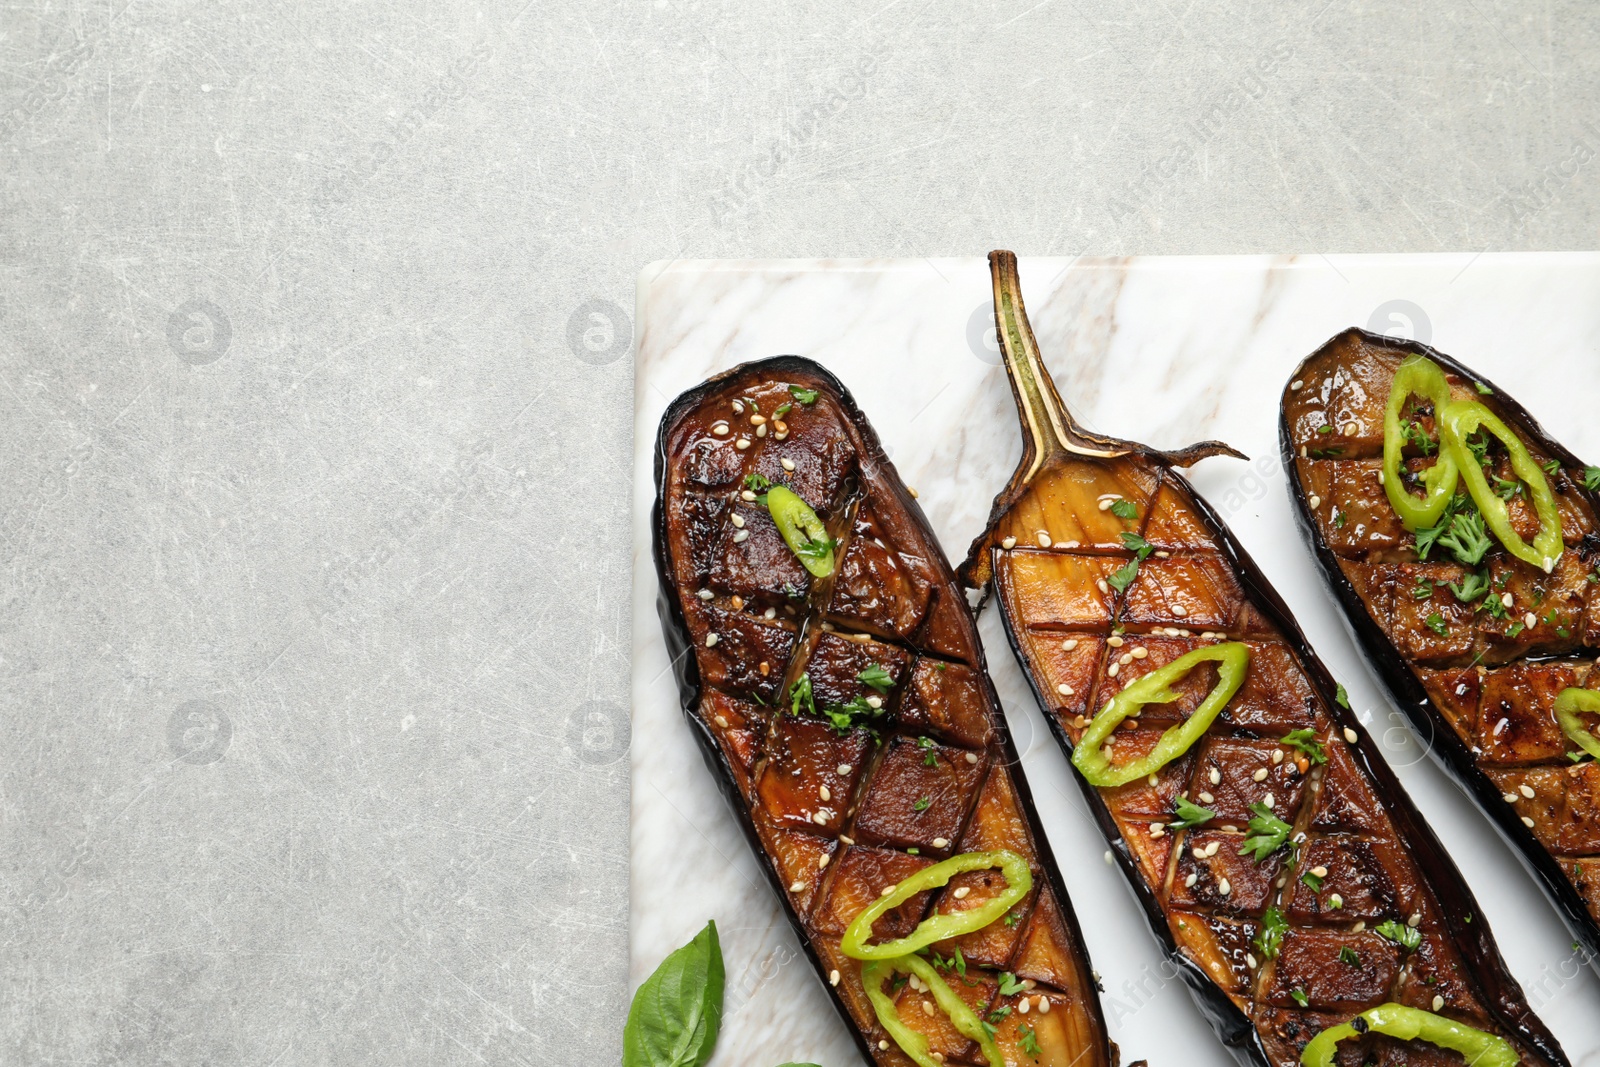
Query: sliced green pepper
{"points": [[1569, 705], [1422, 377], [1413, 1024], [1232, 659], [802, 531], [1461, 420], [913, 1044], [940, 927]]}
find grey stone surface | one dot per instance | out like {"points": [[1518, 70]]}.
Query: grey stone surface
{"points": [[313, 513]]}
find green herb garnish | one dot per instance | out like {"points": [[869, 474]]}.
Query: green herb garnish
{"points": [[677, 1012], [1401, 934], [805, 396], [1436, 623], [1306, 741], [1268, 833], [1348, 955], [1270, 936], [1009, 986], [877, 678], [1189, 814], [1137, 544], [1124, 575], [922, 804]]}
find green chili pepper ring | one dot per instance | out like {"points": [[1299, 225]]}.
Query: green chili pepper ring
{"points": [[802, 531], [940, 927], [1424, 378], [1461, 420], [1571, 703], [913, 1044], [1232, 659], [1414, 1024]]}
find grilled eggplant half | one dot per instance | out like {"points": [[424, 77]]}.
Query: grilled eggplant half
{"points": [[1293, 883], [1475, 642], [829, 666]]}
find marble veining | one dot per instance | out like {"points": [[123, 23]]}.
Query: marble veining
{"points": [[1165, 350]]}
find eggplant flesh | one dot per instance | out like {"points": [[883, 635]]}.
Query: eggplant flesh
{"points": [[1278, 949], [1477, 680], [839, 814]]}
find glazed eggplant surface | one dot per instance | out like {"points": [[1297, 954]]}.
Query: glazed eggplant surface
{"points": [[848, 715], [1474, 642], [1280, 862]]}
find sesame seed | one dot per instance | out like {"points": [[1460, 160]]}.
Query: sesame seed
{"points": [[742, 443], [722, 721], [1111, 671], [1125, 659], [913, 491], [1105, 505], [1302, 451], [1277, 756], [1162, 553], [820, 818], [720, 429], [844, 768], [1530, 620], [1191, 880], [1415, 920], [738, 603], [1044, 1005], [961, 894], [1438, 1002], [761, 431], [833, 977], [927, 1007], [822, 861], [1270, 801], [1211, 849], [741, 537], [847, 839], [1069, 644], [1505, 600], [1250, 958], [1359, 927], [1350, 735], [1107, 857], [1260, 775], [883, 1046], [1335, 900], [941, 842], [711, 640], [972, 757], [1216, 776], [1100, 584], [757, 420], [738, 407], [1224, 887], [1064, 689], [1295, 386], [783, 431], [1527, 822], [770, 613], [1008, 542], [704, 594], [1510, 798], [1206, 798], [738, 520], [1179, 610], [1139, 652], [1350, 428], [1044, 538], [1115, 641], [1022, 1006], [788, 464], [747, 495], [797, 886], [1320, 871], [824, 794], [1526, 790], [1380, 478], [1316, 501], [874, 702], [887, 890]]}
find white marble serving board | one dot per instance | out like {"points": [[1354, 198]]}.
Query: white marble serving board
{"points": [[1163, 350]]}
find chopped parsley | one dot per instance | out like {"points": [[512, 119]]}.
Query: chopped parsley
{"points": [[1348, 955], [1466, 539], [805, 396], [1341, 697], [999, 1014], [1029, 1043], [1009, 986], [1270, 937], [1338, 520], [1189, 814], [1125, 509], [877, 678], [922, 804], [1124, 575], [1306, 741], [1506, 488], [1515, 628], [1401, 934], [1436, 623], [845, 716], [1268, 833], [1423, 590], [1419, 437], [1591, 479], [757, 482], [1470, 588], [1012, 919], [800, 693], [1137, 544], [930, 758], [1552, 467]]}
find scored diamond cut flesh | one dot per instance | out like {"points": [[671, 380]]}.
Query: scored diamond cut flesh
{"points": [[1087, 617], [839, 815], [1480, 685]]}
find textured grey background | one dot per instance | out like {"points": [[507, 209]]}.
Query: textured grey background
{"points": [[314, 424]]}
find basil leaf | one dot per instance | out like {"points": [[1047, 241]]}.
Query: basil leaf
{"points": [[678, 1010]]}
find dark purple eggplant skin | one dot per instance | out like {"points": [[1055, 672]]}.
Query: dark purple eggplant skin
{"points": [[1446, 748], [1230, 1024], [675, 629]]}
